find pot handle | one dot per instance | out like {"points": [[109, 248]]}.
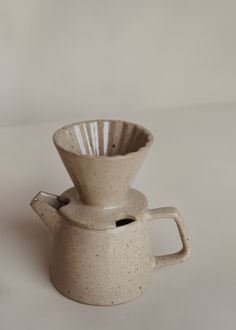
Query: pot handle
{"points": [[180, 256]]}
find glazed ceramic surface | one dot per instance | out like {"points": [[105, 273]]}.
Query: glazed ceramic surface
{"points": [[102, 158], [101, 252]]}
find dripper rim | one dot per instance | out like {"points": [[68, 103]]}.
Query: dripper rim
{"points": [[127, 155]]}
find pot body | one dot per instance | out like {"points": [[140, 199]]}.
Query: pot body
{"points": [[102, 267]]}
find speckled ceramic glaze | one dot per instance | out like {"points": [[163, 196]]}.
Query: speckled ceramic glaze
{"points": [[102, 253]]}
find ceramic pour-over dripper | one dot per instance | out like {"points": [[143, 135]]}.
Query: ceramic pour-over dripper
{"points": [[101, 158]]}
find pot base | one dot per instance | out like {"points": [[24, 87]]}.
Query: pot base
{"points": [[91, 302]]}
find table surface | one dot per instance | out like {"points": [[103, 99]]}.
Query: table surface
{"points": [[191, 166]]}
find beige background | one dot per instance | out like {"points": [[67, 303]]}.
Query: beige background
{"points": [[169, 65], [60, 57]]}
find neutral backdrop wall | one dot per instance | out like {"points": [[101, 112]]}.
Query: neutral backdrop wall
{"points": [[84, 58]]}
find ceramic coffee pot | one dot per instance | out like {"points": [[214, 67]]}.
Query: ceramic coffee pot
{"points": [[101, 253]]}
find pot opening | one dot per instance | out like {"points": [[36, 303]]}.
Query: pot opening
{"points": [[123, 222]]}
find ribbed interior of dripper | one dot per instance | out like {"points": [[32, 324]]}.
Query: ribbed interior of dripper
{"points": [[102, 138]]}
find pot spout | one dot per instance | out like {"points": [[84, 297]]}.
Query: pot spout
{"points": [[46, 206]]}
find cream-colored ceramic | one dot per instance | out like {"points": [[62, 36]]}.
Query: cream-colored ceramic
{"points": [[102, 253], [102, 158]]}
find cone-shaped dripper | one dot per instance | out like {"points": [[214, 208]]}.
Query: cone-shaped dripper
{"points": [[102, 157]]}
